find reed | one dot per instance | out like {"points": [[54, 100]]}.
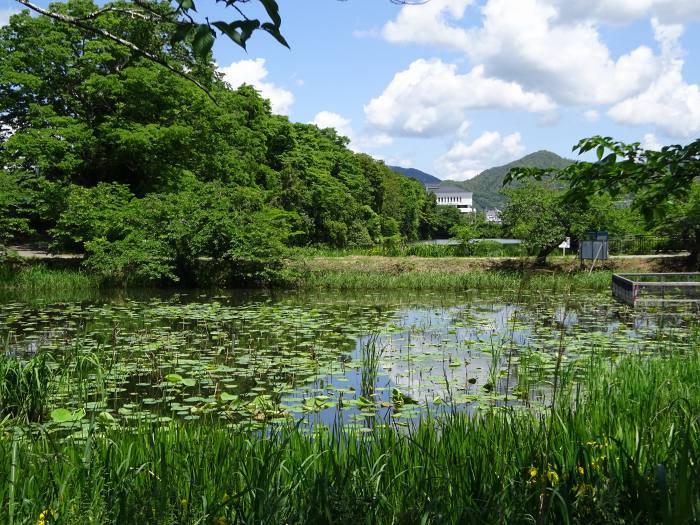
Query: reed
{"points": [[621, 448], [497, 281], [39, 280], [25, 387]]}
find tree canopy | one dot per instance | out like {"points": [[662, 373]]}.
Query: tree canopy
{"points": [[93, 131], [662, 184]]}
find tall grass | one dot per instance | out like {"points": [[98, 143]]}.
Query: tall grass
{"points": [[622, 449], [455, 281], [482, 248], [41, 280], [25, 387]]}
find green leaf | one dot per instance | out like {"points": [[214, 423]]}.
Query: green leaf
{"points": [[187, 5], [272, 11], [189, 382], [203, 40], [238, 31], [63, 415], [173, 378], [106, 418], [181, 32], [275, 32], [226, 397]]}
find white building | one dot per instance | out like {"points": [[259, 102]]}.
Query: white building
{"points": [[493, 216], [446, 195]]}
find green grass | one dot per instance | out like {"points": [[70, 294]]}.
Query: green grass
{"points": [[25, 387], [38, 279], [621, 449], [496, 281], [478, 249], [61, 285]]}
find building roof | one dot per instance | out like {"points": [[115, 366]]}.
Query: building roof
{"points": [[445, 188]]}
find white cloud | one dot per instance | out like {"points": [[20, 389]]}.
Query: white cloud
{"points": [[328, 119], [591, 115], [624, 11], [430, 99], [404, 162], [550, 118], [343, 126], [429, 23], [669, 103], [254, 72], [371, 141], [650, 141], [526, 41], [5, 15], [464, 161], [463, 128]]}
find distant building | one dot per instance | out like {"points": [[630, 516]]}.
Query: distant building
{"points": [[447, 195], [493, 216]]}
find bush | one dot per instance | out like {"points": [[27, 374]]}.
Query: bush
{"points": [[164, 237], [487, 249]]}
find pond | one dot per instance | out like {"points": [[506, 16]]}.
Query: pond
{"points": [[255, 358]]}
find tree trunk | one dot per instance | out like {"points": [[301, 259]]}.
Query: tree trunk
{"points": [[541, 259], [694, 257]]}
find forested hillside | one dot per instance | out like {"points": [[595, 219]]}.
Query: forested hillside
{"points": [[108, 153], [487, 185], [423, 177]]}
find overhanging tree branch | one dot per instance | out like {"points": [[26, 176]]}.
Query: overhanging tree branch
{"points": [[82, 24]]}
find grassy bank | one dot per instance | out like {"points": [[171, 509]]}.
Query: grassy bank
{"points": [[623, 452], [497, 281], [59, 284], [39, 280]]}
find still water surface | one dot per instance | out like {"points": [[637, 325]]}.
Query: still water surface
{"points": [[251, 358]]}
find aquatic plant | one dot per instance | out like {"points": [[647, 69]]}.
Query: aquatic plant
{"points": [[609, 459], [25, 386]]}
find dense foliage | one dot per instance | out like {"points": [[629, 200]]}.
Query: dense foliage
{"points": [[109, 153], [542, 216], [663, 185]]}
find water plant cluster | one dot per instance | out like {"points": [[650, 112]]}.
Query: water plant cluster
{"points": [[325, 407], [262, 359], [625, 451]]}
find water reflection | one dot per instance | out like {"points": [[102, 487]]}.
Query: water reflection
{"points": [[256, 357]]}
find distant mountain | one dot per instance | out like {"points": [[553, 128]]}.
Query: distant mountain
{"points": [[487, 184], [425, 178]]}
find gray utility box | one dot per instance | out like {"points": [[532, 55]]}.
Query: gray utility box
{"points": [[594, 246]]}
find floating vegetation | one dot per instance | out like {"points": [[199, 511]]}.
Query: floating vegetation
{"points": [[367, 360], [627, 453]]}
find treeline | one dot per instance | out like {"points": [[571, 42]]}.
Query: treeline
{"points": [[110, 154]]}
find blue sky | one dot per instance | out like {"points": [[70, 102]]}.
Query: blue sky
{"points": [[452, 87]]}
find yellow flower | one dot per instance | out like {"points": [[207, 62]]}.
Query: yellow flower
{"points": [[532, 471], [553, 477], [581, 471], [42, 517], [183, 503], [582, 489]]}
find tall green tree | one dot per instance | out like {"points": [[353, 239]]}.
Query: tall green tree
{"points": [[94, 127], [540, 216], [662, 183]]}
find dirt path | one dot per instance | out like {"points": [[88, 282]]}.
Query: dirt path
{"points": [[35, 252]]}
